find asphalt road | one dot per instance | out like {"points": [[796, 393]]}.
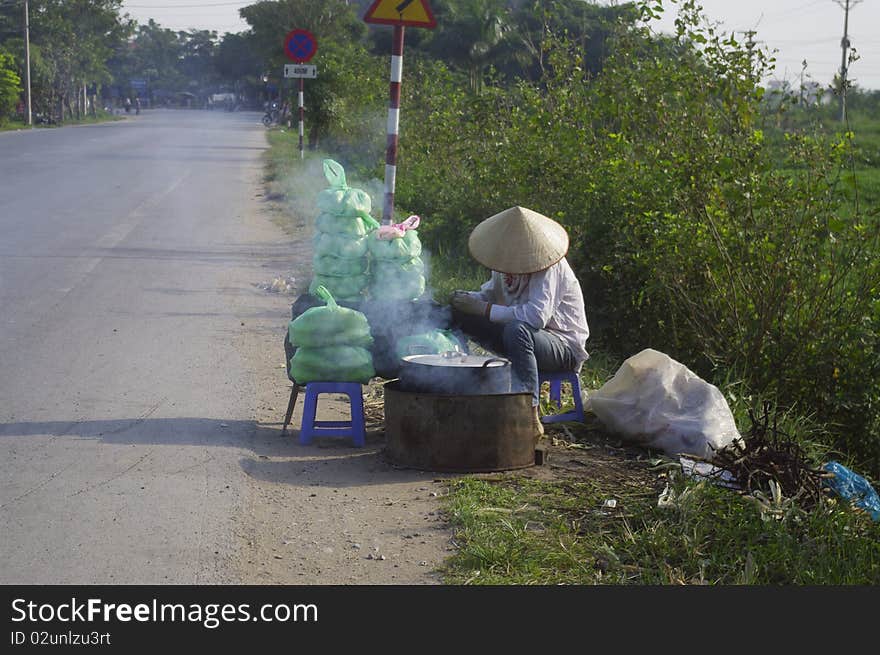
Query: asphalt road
{"points": [[127, 275]]}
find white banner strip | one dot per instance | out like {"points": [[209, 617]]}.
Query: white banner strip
{"points": [[390, 178], [393, 120], [396, 68]]}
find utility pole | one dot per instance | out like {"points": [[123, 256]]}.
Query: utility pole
{"points": [[27, 64], [846, 5]]}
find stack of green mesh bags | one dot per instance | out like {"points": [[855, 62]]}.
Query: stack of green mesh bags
{"points": [[397, 273], [331, 344], [340, 260]]}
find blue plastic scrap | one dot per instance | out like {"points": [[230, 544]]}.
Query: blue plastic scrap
{"points": [[854, 488]]}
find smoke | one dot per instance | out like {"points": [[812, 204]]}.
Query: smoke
{"points": [[390, 321], [299, 186]]}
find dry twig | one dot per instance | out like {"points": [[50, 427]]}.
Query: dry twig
{"points": [[767, 455]]}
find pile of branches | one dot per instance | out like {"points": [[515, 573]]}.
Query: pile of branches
{"points": [[767, 455]]}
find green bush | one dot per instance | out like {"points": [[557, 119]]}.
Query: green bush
{"points": [[735, 233], [10, 86], [692, 231]]}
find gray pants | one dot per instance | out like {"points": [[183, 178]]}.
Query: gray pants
{"points": [[529, 349]]}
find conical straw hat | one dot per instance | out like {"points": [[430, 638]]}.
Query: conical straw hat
{"points": [[518, 241]]}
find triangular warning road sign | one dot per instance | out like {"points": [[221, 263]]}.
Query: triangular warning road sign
{"points": [[414, 13]]}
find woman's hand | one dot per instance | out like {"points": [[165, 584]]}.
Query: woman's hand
{"points": [[468, 304]]}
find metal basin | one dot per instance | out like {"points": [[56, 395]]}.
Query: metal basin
{"points": [[455, 373]]}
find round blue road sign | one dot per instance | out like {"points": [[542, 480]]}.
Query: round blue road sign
{"points": [[300, 46]]}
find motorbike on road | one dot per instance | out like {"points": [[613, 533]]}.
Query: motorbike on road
{"points": [[276, 114], [272, 115]]}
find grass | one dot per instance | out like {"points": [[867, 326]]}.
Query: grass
{"points": [[102, 117], [283, 155], [522, 531], [866, 163], [446, 274], [516, 530], [865, 174]]}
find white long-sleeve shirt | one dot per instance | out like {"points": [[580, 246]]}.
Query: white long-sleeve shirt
{"points": [[553, 302]]}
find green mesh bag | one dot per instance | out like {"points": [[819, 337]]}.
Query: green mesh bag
{"points": [[329, 325], [404, 287], [389, 271], [347, 225], [332, 364], [403, 248], [429, 343], [338, 245], [339, 266], [350, 287], [340, 198], [355, 226]]}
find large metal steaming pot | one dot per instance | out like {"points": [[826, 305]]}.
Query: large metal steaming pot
{"points": [[455, 373]]}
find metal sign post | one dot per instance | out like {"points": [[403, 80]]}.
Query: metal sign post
{"points": [[399, 13], [300, 46]]}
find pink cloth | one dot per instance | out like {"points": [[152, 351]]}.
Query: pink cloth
{"points": [[397, 230], [514, 288]]}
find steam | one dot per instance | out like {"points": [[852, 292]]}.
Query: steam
{"points": [[299, 185]]}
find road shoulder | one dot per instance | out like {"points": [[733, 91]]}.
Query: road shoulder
{"points": [[327, 513]]}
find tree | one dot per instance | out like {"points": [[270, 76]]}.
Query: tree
{"points": [[471, 36], [271, 20], [349, 75], [72, 41], [10, 86], [198, 50], [536, 23], [153, 54]]}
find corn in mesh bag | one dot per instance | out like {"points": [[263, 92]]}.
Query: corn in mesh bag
{"points": [[339, 245], [341, 258], [401, 249], [341, 198], [329, 325], [390, 284], [331, 344], [393, 275], [346, 225], [348, 287], [332, 364], [339, 266]]}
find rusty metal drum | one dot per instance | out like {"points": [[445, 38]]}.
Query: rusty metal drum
{"points": [[458, 432]]}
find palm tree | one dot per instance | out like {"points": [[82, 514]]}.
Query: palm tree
{"points": [[470, 34]]}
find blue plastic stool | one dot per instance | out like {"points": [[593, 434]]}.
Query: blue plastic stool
{"points": [[556, 380], [354, 428]]}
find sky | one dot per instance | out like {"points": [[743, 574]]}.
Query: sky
{"points": [[219, 15], [803, 29], [797, 29]]}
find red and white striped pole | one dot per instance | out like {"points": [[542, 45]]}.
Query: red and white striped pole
{"points": [[393, 124], [301, 116]]}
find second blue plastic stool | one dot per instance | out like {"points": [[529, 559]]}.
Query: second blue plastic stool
{"points": [[354, 428], [556, 380]]}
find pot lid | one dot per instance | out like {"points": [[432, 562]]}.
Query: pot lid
{"points": [[456, 359]]}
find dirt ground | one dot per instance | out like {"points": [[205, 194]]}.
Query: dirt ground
{"points": [[328, 513]]}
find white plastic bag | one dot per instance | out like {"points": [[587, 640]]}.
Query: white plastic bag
{"points": [[657, 402]]}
